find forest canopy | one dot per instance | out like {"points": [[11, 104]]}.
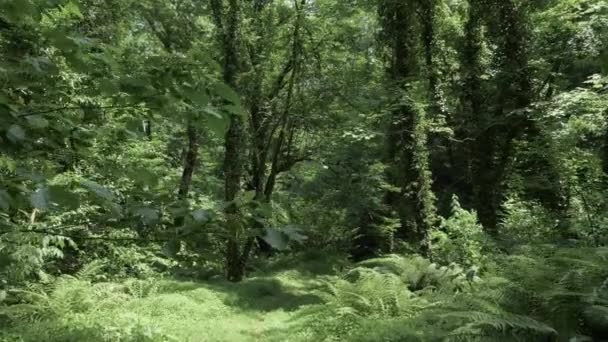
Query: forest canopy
{"points": [[303, 170]]}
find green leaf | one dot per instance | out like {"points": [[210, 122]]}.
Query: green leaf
{"points": [[200, 215], [248, 196], [264, 210], [38, 122], [63, 198], [212, 111], [98, 190], [40, 198], [15, 133], [143, 176], [71, 8], [197, 97], [148, 215], [275, 238], [108, 87], [294, 233], [172, 247], [62, 41], [219, 126], [178, 209], [107, 58], [596, 317], [135, 126], [15, 10], [227, 93], [237, 110], [5, 200]]}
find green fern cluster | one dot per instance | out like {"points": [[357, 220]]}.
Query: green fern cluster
{"points": [[65, 296], [419, 273], [566, 286], [411, 299]]}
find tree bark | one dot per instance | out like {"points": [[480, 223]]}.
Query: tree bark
{"points": [[428, 41], [407, 150], [189, 162], [493, 150]]}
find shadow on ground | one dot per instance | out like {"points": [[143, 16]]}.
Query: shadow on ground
{"points": [[267, 293]]}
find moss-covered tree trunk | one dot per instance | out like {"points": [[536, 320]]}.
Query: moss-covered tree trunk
{"points": [[406, 144], [499, 125], [227, 21], [494, 144]]}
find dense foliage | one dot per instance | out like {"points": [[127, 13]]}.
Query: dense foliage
{"points": [[299, 170]]}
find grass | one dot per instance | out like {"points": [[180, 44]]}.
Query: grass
{"points": [[267, 307], [558, 296]]}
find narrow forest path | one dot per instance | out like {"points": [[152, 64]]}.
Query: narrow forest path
{"points": [[277, 302], [258, 309]]}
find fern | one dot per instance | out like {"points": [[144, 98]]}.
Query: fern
{"points": [[371, 294], [419, 273], [498, 324]]}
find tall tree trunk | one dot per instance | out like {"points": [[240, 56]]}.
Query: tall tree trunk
{"points": [[469, 120], [509, 121], [494, 147], [407, 150], [232, 159], [172, 44], [482, 146], [263, 137], [259, 119], [189, 162], [428, 41], [605, 147]]}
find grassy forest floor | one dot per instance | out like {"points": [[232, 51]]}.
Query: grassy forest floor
{"points": [[268, 306], [539, 293]]}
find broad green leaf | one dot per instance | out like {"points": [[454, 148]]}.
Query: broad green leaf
{"points": [[227, 93], [212, 111], [135, 126], [5, 200], [178, 209], [200, 215], [275, 238], [41, 64], [72, 9], [38, 122], [40, 198], [62, 41], [219, 126], [247, 196], [143, 176], [237, 110], [197, 97], [15, 10], [264, 210], [63, 198], [596, 317], [15, 133], [172, 247], [294, 233], [108, 86], [148, 215], [98, 190]]}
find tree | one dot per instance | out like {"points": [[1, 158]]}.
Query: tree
{"points": [[407, 150]]}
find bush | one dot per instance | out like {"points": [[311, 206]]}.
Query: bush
{"points": [[526, 222], [461, 238]]}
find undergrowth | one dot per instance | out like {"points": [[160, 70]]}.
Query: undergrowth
{"points": [[542, 293]]}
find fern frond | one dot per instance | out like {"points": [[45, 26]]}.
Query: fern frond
{"points": [[502, 323]]}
